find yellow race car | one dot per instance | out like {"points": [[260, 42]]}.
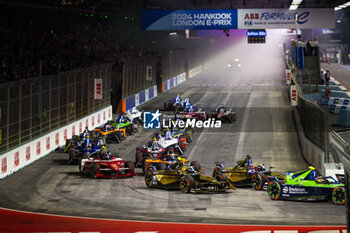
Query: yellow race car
{"points": [[186, 178]]}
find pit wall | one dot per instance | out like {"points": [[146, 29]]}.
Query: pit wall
{"points": [[311, 152], [26, 154]]}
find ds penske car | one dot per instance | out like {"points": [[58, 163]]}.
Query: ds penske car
{"points": [[106, 166], [223, 114], [186, 178], [245, 173], [163, 162], [306, 186]]}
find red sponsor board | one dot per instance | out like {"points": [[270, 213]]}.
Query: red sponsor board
{"points": [[98, 89], [109, 113], [65, 135], [87, 123], [57, 138], [28, 153], [38, 148], [73, 130], [16, 159], [98, 119], [93, 121], [4, 165], [104, 116], [48, 143], [80, 127]]}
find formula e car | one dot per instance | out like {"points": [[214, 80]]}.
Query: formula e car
{"points": [[99, 167], [178, 132], [109, 133], [163, 161], [186, 178], [177, 104], [192, 112], [157, 148], [245, 173], [306, 186], [223, 114], [85, 149], [134, 115], [125, 123]]}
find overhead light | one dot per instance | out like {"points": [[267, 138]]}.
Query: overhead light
{"points": [[337, 8], [172, 33], [338, 21], [342, 6], [293, 7], [347, 4]]}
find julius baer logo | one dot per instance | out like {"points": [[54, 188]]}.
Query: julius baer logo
{"points": [[282, 17], [152, 120]]}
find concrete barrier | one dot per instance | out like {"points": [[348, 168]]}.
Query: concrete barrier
{"points": [[172, 82], [27, 153], [311, 152], [139, 98]]}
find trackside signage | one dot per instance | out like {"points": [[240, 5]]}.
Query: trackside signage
{"points": [[294, 95], [237, 19], [284, 18], [188, 19]]}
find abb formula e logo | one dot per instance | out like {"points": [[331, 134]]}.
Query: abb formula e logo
{"points": [[251, 16]]}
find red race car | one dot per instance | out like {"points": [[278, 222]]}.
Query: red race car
{"points": [[192, 112], [106, 167]]}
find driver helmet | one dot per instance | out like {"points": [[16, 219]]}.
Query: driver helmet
{"points": [[89, 146], [133, 110]]}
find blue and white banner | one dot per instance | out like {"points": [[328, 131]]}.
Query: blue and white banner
{"points": [[188, 19], [237, 19], [284, 18]]}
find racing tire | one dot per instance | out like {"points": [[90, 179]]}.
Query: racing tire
{"points": [[339, 196], [149, 178], [94, 170], [85, 156], [130, 165], [132, 129], [196, 165], [258, 181], [274, 190], [186, 184], [230, 118]]}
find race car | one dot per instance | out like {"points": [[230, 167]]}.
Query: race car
{"points": [[77, 140], [163, 161], [106, 167], [186, 178], [134, 115], [124, 123], [192, 112], [234, 64], [157, 148], [109, 133], [86, 149], [223, 114], [245, 173], [177, 104], [178, 132], [306, 186]]}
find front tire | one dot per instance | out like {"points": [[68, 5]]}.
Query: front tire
{"points": [[258, 181], [274, 190], [149, 178], [196, 165], [186, 184], [339, 196], [130, 165], [95, 167]]}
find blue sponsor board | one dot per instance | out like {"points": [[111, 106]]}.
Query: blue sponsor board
{"points": [[188, 19]]}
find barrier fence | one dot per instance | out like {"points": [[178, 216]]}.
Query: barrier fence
{"points": [[139, 74], [33, 107]]}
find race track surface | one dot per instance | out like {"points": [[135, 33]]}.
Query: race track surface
{"points": [[265, 130]]}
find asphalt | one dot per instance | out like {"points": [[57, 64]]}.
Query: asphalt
{"points": [[265, 130]]}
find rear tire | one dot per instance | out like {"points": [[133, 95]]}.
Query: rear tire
{"points": [[196, 165], [339, 196], [258, 181], [71, 154], [149, 178], [95, 167], [274, 190], [138, 158], [186, 184], [130, 165]]}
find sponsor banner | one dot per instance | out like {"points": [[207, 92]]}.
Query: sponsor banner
{"points": [[137, 99], [149, 73], [294, 95], [188, 19], [288, 78], [284, 18], [98, 89]]}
